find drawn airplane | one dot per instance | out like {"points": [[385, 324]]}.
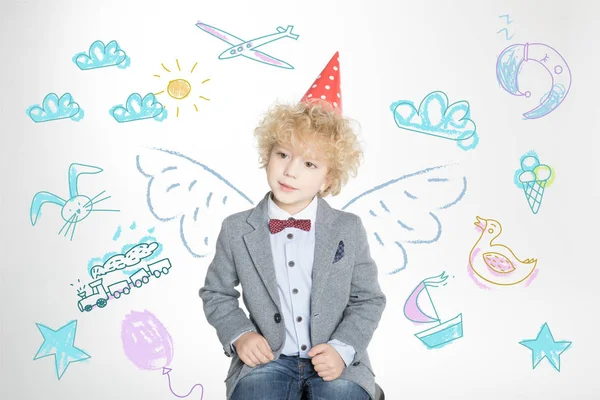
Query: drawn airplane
{"points": [[247, 48]]}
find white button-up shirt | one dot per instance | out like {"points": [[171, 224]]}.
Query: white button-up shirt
{"points": [[293, 258]]}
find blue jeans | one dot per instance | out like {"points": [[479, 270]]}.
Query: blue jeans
{"points": [[288, 378]]}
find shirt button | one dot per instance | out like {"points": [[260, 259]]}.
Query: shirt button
{"points": [[291, 263], [290, 218], [277, 317], [290, 235], [299, 319], [295, 291], [303, 347]]}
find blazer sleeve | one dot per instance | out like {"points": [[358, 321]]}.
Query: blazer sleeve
{"points": [[219, 296], [367, 301]]}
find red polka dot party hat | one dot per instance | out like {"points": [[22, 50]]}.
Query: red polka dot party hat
{"points": [[327, 86]]}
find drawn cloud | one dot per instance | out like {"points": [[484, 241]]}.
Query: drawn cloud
{"points": [[437, 118], [54, 108], [121, 261], [100, 56], [137, 109]]}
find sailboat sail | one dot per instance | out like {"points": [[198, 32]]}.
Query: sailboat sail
{"points": [[411, 308]]}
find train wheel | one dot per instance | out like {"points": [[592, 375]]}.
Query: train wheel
{"points": [[165, 270], [126, 290], [101, 303], [88, 308], [117, 294], [145, 279], [156, 274], [138, 283]]}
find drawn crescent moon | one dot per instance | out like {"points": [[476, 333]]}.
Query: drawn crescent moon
{"points": [[509, 65]]}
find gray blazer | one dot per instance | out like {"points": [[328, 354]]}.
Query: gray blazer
{"points": [[346, 299]]}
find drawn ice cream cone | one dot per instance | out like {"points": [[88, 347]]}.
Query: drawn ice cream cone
{"points": [[533, 178], [534, 192]]}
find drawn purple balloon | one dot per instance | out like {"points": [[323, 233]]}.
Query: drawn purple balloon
{"points": [[146, 341]]}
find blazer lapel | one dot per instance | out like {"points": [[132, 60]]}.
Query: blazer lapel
{"points": [[326, 243], [258, 243]]}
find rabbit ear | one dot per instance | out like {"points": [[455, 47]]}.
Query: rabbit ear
{"points": [[77, 169], [39, 200]]}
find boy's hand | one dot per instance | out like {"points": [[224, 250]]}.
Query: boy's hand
{"points": [[327, 361], [253, 349]]}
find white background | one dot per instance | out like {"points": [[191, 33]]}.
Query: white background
{"points": [[394, 50]]}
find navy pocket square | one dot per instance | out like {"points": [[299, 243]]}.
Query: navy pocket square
{"points": [[339, 253]]}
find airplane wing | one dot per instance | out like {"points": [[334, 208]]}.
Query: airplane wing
{"points": [[266, 59], [220, 34]]}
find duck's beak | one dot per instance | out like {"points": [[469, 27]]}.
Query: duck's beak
{"points": [[480, 223]]}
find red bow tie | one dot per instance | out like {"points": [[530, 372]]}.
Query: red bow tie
{"points": [[277, 225]]}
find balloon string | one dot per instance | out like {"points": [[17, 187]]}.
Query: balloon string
{"points": [[190, 392]]}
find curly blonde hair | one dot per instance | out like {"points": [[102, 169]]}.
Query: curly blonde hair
{"points": [[316, 125]]}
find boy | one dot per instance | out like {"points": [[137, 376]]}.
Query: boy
{"points": [[308, 280]]}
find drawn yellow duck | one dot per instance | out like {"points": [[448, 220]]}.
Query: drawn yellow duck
{"points": [[496, 263]]}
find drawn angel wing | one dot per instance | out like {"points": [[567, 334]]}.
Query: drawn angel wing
{"points": [[405, 211], [180, 188]]}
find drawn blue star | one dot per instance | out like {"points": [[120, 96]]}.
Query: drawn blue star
{"points": [[60, 344], [545, 346]]}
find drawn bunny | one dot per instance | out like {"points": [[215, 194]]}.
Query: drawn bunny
{"points": [[74, 210]]}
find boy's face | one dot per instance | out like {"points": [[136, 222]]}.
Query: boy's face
{"points": [[295, 176]]}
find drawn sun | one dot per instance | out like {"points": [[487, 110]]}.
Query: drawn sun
{"points": [[180, 89]]}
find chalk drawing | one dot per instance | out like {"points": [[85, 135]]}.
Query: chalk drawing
{"points": [[442, 333], [54, 108], [77, 208], [60, 344], [102, 56], [181, 88], [533, 178], [405, 211], [496, 263], [544, 346], [247, 48], [436, 117], [514, 58]]}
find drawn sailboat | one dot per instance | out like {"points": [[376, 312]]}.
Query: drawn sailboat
{"points": [[442, 332]]}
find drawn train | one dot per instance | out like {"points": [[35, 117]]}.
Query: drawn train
{"points": [[100, 294]]}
